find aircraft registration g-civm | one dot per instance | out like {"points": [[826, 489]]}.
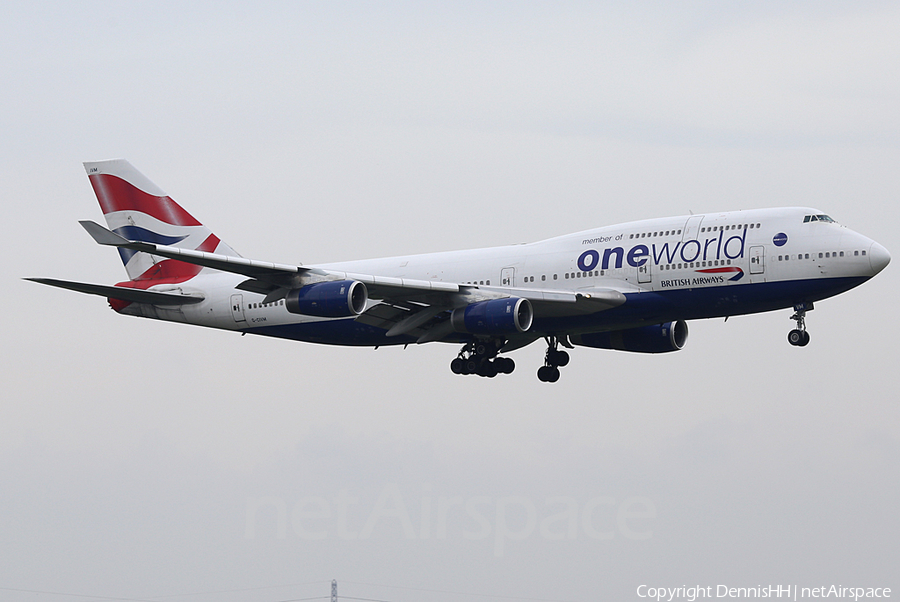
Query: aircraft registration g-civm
{"points": [[628, 287]]}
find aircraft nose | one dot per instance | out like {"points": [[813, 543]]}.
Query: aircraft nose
{"points": [[878, 257]]}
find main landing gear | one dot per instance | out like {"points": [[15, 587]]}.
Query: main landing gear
{"points": [[480, 357], [799, 337], [553, 361]]}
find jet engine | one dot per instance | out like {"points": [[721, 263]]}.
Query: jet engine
{"points": [[494, 317], [658, 338], [332, 299]]}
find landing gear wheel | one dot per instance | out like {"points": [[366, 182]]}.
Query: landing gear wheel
{"points": [[553, 360], [558, 358], [548, 374], [795, 337], [479, 356], [805, 340], [488, 369], [505, 365]]}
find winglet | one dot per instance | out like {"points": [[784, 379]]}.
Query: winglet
{"points": [[103, 236]]}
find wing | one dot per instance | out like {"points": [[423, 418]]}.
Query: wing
{"points": [[408, 306], [118, 292]]}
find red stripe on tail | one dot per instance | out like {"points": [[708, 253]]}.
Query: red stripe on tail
{"points": [[171, 271], [115, 194]]}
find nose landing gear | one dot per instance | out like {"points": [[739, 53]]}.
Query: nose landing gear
{"points": [[553, 361], [799, 337]]}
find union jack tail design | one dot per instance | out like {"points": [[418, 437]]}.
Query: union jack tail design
{"points": [[137, 209]]}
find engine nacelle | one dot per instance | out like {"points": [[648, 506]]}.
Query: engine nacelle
{"points": [[494, 316], [331, 299], [658, 338]]}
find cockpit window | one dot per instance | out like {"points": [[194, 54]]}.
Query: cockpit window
{"points": [[818, 218]]}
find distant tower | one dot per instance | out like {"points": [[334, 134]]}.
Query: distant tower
{"points": [[334, 590]]}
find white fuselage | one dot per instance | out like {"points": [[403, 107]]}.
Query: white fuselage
{"points": [[699, 265]]}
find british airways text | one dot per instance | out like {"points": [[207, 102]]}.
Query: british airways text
{"points": [[685, 251]]}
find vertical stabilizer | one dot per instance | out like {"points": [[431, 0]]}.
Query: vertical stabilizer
{"points": [[135, 208]]}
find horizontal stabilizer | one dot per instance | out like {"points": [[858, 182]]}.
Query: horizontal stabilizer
{"points": [[118, 292], [102, 236], [276, 273]]}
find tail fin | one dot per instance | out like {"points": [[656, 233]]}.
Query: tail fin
{"points": [[137, 209]]}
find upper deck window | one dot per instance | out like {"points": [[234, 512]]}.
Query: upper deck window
{"points": [[818, 218]]}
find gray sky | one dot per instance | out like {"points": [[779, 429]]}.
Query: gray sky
{"points": [[146, 460]]}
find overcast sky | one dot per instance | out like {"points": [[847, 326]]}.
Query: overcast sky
{"points": [[144, 460]]}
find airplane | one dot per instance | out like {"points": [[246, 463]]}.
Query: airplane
{"points": [[628, 287]]}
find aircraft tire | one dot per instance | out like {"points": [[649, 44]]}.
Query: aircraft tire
{"points": [[795, 337], [488, 369], [548, 374], [505, 365]]}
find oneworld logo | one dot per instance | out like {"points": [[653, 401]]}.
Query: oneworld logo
{"points": [[717, 247], [780, 239]]}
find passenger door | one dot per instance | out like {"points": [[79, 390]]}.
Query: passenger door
{"points": [[644, 275], [757, 260], [237, 308]]}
